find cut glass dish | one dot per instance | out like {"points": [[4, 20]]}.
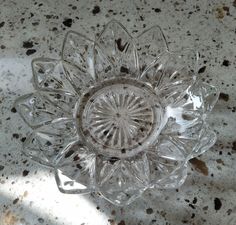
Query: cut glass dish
{"points": [[117, 115]]}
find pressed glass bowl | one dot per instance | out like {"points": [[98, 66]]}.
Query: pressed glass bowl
{"points": [[117, 115]]}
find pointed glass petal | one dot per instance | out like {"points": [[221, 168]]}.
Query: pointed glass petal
{"points": [[79, 80], [117, 44], [78, 50], [121, 182], [165, 172], [206, 94], [172, 72], [104, 69], [207, 139], [36, 110], [150, 44], [49, 75], [47, 142], [64, 100], [75, 170]]}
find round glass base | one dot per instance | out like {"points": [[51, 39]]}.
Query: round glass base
{"points": [[119, 117]]}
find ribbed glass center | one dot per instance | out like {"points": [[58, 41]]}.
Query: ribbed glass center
{"points": [[119, 117]]}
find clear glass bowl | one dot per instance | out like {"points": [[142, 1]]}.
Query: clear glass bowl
{"points": [[118, 115]]}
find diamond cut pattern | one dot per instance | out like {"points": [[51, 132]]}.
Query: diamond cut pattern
{"points": [[47, 142], [49, 75], [115, 176], [85, 65], [117, 44], [75, 169]]}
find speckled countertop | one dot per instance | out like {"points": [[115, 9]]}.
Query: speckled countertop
{"points": [[34, 28]]}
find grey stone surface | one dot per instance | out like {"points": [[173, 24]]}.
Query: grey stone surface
{"points": [[29, 29]]}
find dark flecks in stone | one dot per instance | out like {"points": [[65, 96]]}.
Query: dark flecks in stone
{"points": [[35, 23], [76, 158], [234, 3], [40, 220], [69, 153], [112, 160], [28, 44], [31, 15], [30, 51], [87, 95], [220, 161], [1, 167], [108, 69], [111, 221], [3, 46], [79, 166], [142, 129], [192, 206], [202, 69], [15, 135], [58, 96], [25, 173], [186, 117], [123, 150], [226, 63], [199, 166], [157, 10], [220, 13], [217, 203], [234, 146], [67, 22], [229, 211], [226, 9], [124, 70], [13, 110], [105, 132], [122, 222], [194, 200], [48, 143], [224, 96], [149, 211], [15, 201], [96, 10], [2, 24], [40, 70], [121, 47]]}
